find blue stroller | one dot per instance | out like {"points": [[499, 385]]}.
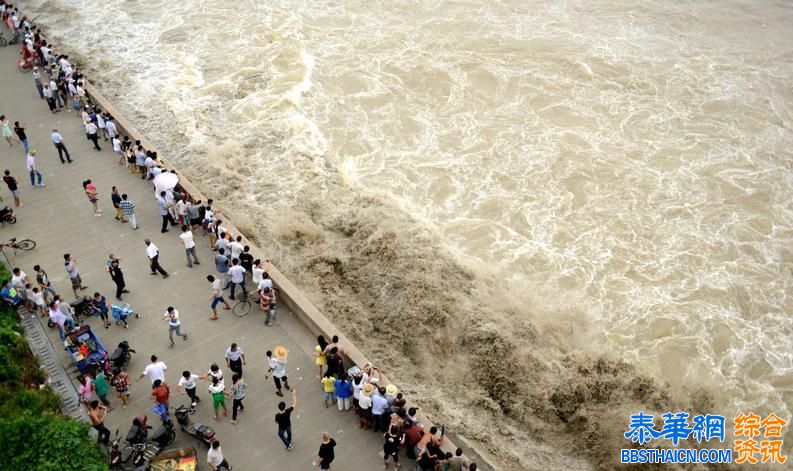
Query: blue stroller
{"points": [[120, 313]]}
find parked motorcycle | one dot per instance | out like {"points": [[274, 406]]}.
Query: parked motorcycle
{"points": [[121, 355], [202, 432]]}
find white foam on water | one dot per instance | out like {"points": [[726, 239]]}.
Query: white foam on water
{"points": [[628, 158]]}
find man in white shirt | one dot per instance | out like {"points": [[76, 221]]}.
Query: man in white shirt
{"points": [[154, 370], [187, 385], [278, 368], [235, 358], [236, 247], [237, 274], [57, 140], [154, 254], [215, 458], [110, 127], [189, 245], [217, 296], [32, 170], [266, 282], [174, 324], [91, 130]]}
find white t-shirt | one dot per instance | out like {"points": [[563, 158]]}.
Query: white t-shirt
{"points": [[31, 162], [234, 356], [236, 249], [278, 367], [155, 371], [217, 287], [173, 318], [188, 383], [214, 456], [257, 275], [152, 250], [90, 128], [237, 274], [100, 121], [116, 144], [18, 281], [187, 238], [266, 283]]}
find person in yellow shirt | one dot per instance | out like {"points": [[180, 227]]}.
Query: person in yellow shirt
{"points": [[329, 388]]}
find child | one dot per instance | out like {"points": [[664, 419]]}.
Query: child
{"points": [[31, 303], [38, 299], [330, 389]]}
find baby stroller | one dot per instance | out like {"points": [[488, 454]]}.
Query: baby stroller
{"points": [[121, 312]]}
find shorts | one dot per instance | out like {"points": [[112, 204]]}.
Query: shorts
{"points": [[15, 193], [218, 400], [93, 201], [195, 222], [76, 282], [122, 390], [217, 301], [328, 396], [324, 464]]}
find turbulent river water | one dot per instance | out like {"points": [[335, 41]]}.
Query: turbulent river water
{"points": [[585, 195]]}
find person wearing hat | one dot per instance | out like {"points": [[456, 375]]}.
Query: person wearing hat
{"points": [[390, 394], [365, 406], [277, 366]]}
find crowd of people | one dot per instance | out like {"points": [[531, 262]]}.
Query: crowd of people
{"points": [[354, 390]]}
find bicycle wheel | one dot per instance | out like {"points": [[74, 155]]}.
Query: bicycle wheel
{"points": [[24, 66], [242, 308], [10, 219], [26, 244], [3, 42]]}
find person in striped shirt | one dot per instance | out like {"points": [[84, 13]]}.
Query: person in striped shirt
{"points": [[129, 209]]}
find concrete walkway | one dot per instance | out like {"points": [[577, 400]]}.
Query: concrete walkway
{"points": [[59, 219]]}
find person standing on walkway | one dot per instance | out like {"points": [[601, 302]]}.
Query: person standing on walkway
{"points": [[33, 170], [277, 366], [154, 255], [218, 392], [37, 81], [215, 458], [93, 197], [235, 358], [92, 131], [19, 130], [217, 296], [187, 385], [129, 209], [174, 324], [326, 453], [118, 278], [101, 388], [238, 388], [121, 381], [44, 283], [162, 205], [116, 199], [237, 274], [222, 265], [57, 140], [284, 420], [13, 187], [71, 268], [97, 413], [7, 133], [99, 306], [49, 95], [189, 245]]}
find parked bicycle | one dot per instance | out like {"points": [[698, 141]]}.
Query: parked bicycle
{"points": [[243, 306], [24, 244], [3, 41]]}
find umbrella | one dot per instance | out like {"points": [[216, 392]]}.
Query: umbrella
{"points": [[165, 181]]}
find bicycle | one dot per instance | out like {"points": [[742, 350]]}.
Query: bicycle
{"points": [[3, 41], [24, 245], [243, 306]]}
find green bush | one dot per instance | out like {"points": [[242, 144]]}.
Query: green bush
{"points": [[47, 441], [35, 435]]}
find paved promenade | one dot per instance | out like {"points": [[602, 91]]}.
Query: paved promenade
{"points": [[59, 218]]}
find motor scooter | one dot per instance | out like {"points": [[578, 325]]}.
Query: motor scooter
{"points": [[143, 452], [117, 459], [121, 355], [202, 432]]}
